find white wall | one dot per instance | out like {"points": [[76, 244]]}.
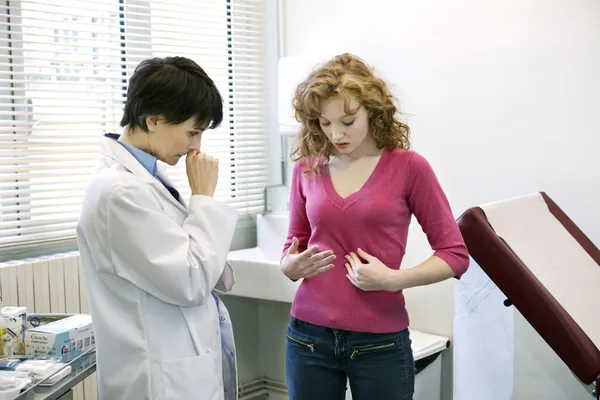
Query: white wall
{"points": [[502, 98]]}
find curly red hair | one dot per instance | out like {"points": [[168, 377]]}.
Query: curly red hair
{"points": [[347, 76]]}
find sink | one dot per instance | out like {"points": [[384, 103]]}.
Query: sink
{"points": [[257, 273]]}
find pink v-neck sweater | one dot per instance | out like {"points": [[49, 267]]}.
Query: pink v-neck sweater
{"points": [[376, 219]]}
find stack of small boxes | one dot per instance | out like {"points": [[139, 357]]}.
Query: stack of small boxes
{"points": [[12, 330], [65, 337]]}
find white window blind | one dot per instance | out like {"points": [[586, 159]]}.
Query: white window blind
{"points": [[64, 67]]}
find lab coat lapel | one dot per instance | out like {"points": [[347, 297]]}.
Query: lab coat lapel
{"points": [[110, 148], [162, 173]]}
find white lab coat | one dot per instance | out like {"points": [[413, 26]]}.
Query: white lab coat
{"points": [[150, 265]]}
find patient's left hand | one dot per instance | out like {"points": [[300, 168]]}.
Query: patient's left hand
{"points": [[371, 275]]}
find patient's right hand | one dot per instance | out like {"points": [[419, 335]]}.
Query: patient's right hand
{"points": [[307, 264]]}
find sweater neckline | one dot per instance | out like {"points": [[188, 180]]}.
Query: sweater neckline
{"points": [[343, 202]]}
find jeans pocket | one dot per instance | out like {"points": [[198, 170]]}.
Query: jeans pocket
{"points": [[358, 350], [300, 341]]}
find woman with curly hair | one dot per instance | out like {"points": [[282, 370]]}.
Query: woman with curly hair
{"points": [[354, 189]]}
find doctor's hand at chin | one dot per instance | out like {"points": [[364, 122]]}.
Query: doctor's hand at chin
{"points": [[202, 172], [370, 275]]}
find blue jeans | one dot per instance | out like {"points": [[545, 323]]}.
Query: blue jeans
{"points": [[319, 360]]}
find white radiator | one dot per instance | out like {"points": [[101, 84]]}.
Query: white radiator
{"points": [[55, 284], [48, 284]]}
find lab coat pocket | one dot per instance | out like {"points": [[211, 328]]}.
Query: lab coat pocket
{"points": [[191, 378]]}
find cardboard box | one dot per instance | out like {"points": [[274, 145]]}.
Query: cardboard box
{"points": [[65, 339], [33, 320], [14, 320]]}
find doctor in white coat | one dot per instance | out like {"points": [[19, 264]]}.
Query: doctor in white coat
{"points": [[152, 264]]}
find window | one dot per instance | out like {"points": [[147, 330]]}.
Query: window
{"points": [[64, 67]]}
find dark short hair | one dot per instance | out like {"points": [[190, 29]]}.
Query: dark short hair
{"points": [[175, 88]]}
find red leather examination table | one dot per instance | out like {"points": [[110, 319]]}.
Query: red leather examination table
{"points": [[532, 256]]}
